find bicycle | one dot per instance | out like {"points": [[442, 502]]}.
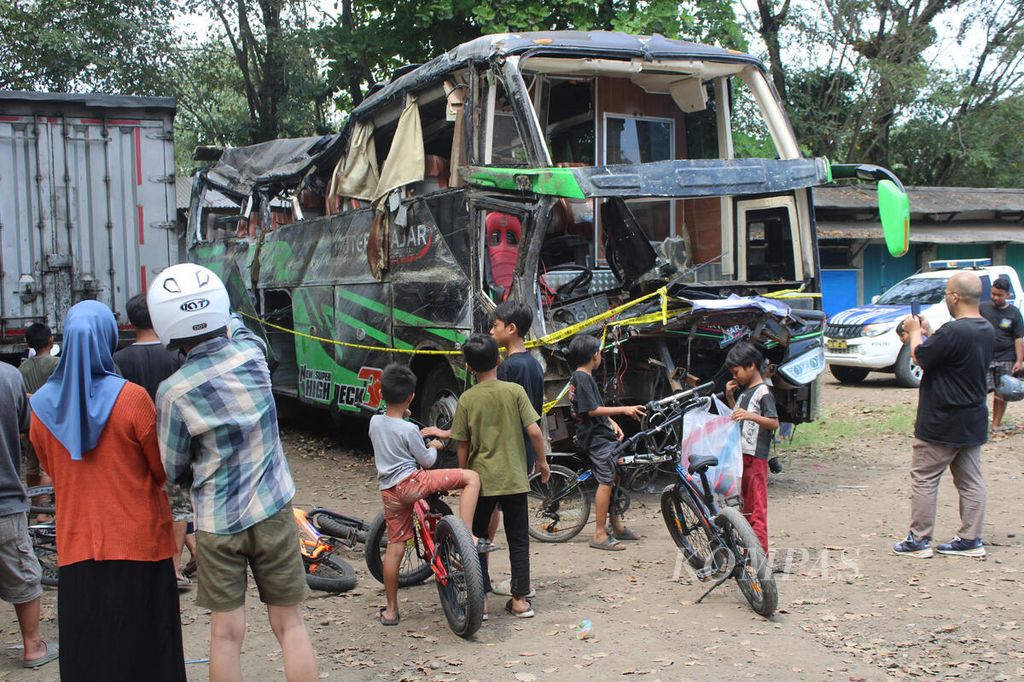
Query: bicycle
{"points": [[560, 508], [348, 530], [717, 542], [44, 535], [324, 571], [441, 546]]}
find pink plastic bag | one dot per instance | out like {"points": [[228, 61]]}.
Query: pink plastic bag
{"points": [[707, 433]]}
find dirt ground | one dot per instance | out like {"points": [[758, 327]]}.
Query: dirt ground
{"points": [[849, 609]]}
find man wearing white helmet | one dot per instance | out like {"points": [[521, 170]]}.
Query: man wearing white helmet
{"points": [[217, 427]]}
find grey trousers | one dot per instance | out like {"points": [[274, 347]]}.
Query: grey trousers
{"points": [[927, 466]]}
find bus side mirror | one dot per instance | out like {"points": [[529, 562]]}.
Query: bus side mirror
{"points": [[894, 208]]}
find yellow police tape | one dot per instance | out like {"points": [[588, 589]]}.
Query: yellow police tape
{"points": [[547, 340]]}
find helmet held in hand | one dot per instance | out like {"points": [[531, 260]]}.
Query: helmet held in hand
{"points": [[1010, 388], [188, 304]]}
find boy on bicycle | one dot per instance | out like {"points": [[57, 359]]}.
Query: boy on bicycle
{"points": [[597, 436], [488, 427], [755, 410], [399, 452]]}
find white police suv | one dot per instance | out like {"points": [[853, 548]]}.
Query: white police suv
{"points": [[863, 339]]}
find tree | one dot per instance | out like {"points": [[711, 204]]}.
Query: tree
{"points": [[891, 42], [364, 42], [104, 45]]}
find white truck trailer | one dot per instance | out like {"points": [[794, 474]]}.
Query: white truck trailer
{"points": [[87, 204]]}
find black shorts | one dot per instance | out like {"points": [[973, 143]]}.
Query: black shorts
{"points": [[603, 460]]}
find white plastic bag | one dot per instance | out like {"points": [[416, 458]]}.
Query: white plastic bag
{"points": [[707, 433]]}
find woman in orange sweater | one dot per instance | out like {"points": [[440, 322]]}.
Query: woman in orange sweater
{"points": [[95, 433]]}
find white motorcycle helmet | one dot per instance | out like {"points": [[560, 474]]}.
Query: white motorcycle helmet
{"points": [[187, 304]]}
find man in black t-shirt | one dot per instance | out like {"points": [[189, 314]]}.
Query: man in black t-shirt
{"points": [[952, 419], [1008, 356], [147, 363]]}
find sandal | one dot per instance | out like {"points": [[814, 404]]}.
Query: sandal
{"points": [[485, 546], [528, 613], [609, 545], [386, 621], [627, 534], [51, 653]]}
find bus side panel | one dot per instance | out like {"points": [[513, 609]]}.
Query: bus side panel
{"points": [[332, 375], [432, 289]]}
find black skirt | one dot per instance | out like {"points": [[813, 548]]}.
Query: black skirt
{"points": [[119, 620]]}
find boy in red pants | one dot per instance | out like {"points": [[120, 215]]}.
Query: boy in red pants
{"points": [[755, 409]]}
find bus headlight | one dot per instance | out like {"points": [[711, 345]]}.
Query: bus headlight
{"points": [[803, 369]]}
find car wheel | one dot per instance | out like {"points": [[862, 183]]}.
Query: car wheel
{"points": [[908, 374]]}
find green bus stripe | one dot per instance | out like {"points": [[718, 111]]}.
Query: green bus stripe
{"points": [[401, 316], [373, 333]]}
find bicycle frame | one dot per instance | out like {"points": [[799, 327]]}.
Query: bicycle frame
{"points": [[704, 498], [311, 543], [427, 522]]}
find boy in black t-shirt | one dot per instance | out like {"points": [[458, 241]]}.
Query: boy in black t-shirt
{"points": [[512, 321], [597, 436], [758, 417]]}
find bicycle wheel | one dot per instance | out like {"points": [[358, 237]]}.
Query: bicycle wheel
{"points": [[753, 572], [462, 594], [682, 518], [42, 491], [340, 527], [413, 570], [559, 508], [637, 478], [47, 555], [330, 574]]}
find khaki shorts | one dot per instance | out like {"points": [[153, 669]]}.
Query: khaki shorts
{"points": [[181, 503], [270, 548], [19, 568]]}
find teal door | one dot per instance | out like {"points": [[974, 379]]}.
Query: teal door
{"points": [[962, 251], [881, 270], [1015, 257]]}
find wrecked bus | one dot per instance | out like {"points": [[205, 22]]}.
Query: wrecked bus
{"points": [[605, 179]]}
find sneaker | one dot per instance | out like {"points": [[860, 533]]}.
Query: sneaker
{"points": [[504, 588], [959, 547], [918, 549]]}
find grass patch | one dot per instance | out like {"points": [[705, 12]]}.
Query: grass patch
{"points": [[844, 426]]}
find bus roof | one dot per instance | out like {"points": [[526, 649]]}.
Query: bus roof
{"points": [[606, 44]]}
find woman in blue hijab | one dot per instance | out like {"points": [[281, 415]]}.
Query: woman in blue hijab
{"points": [[95, 433]]}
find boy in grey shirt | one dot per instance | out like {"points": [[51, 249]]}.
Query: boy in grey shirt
{"points": [[399, 452]]}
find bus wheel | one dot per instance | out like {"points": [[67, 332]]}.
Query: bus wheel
{"points": [[439, 399]]}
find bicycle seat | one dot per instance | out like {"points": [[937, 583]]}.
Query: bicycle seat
{"points": [[700, 463]]}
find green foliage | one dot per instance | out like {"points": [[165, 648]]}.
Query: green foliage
{"points": [[861, 81], [103, 45]]}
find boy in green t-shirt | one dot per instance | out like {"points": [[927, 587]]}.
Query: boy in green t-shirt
{"points": [[488, 427]]}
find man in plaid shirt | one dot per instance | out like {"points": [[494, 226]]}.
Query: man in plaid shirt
{"points": [[217, 425]]}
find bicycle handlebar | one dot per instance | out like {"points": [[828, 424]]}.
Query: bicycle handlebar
{"points": [[706, 387]]}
